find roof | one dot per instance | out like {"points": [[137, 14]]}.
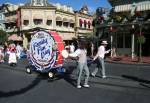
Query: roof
{"points": [[123, 2]]}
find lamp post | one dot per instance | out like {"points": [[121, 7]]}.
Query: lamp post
{"points": [[133, 45], [111, 40]]}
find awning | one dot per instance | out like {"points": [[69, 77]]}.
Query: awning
{"points": [[71, 21], [25, 17], [15, 37], [49, 17], [58, 18], [65, 20], [37, 16]]}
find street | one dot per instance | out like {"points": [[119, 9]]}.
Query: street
{"points": [[16, 86]]}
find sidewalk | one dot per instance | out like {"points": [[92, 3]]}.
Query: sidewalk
{"points": [[128, 60]]}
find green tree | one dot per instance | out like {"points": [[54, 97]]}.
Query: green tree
{"points": [[3, 36], [141, 40]]}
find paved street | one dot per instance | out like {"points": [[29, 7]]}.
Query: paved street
{"points": [[125, 84]]}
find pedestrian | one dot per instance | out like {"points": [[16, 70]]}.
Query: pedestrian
{"points": [[100, 57], [81, 54], [12, 59], [1, 53], [19, 50]]}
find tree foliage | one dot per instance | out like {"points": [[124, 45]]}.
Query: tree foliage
{"points": [[3, 36]]}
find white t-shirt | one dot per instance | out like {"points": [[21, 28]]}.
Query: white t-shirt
{"points": [[101, 52], [81, 54]]}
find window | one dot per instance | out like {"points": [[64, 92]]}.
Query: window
{"points": [[80, 22], [65, 24], [49, 22], [85, 24], [72, 25], [89, 24], [37, 21], [25, 22], [59, 23]]}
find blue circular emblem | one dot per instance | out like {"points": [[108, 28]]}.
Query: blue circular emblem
{"points": [[42, 53]]}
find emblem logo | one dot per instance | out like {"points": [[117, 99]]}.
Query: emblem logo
{"points": [[42, 53]]}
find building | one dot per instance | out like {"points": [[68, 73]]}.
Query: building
{"points": [[54, 17], [2, 17], [127, 21]]}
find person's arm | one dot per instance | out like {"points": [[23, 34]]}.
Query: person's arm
{"points": [[106, 52], [75, 54], [96, 54]]}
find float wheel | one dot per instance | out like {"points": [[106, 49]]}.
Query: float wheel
{"points": [[28, 70], [50, 75]]}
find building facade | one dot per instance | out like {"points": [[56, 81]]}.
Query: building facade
{"points": [[2, 17], [127, 21], [54, 17]]}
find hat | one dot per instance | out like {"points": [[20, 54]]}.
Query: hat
{"points": [[104, 42]]}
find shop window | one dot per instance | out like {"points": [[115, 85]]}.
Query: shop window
{"points": [[49, 22], [123, 41], [127, 41], [25, 22], [120, 41], [38, 21]]}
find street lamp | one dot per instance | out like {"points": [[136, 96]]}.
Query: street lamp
{"points": [[133, 55]]}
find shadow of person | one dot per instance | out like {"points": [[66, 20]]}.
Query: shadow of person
{"points": [[70, 80], [33, 84]]}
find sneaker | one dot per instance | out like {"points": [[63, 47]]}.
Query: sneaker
{"points": [[86, 85], [79, 86], [103, 76]]}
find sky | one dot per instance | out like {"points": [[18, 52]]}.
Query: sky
{"points": [[76, 4]]}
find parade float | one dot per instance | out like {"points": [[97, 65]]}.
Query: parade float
{"points": [[46, 53]]}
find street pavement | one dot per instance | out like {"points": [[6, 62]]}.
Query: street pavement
{"points": [[124, 84]]}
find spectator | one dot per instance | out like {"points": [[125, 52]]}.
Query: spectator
{"points": [[19, 50], [1, 53], [12, 59]]}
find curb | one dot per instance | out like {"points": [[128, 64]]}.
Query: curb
{"points": [[137, 64]]}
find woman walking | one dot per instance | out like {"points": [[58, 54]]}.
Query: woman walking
{"points": [[81, 54]]}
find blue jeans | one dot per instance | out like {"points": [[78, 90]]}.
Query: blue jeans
{"points": [[81, 67], [100, 65]]}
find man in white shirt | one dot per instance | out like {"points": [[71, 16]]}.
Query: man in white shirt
{"points": [[100, 55]]}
